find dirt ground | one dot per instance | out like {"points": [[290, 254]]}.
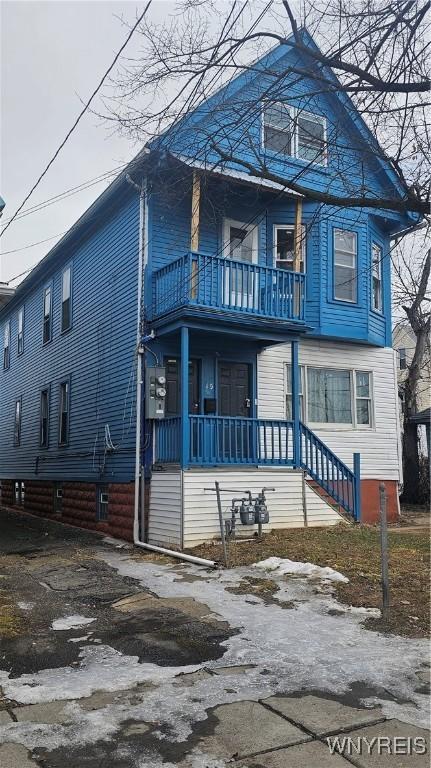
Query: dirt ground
{"points": [[355, 551], [110, 656]]}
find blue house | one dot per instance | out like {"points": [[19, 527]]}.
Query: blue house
{"points": [[215, 315]]}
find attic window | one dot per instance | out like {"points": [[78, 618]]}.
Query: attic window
{"points": [[294, 132]]}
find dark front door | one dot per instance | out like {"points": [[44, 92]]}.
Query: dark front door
{"points": [[173, 387], [234, 436], [234, 389]]}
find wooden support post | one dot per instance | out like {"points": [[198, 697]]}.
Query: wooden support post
{"points": [[196, 201], [297, 237], [184, 378]]}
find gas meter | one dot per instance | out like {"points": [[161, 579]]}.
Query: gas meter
{"points": [[155, 393], [247, 514]]}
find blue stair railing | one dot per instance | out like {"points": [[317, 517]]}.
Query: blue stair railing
{"points": [[329, 472]]}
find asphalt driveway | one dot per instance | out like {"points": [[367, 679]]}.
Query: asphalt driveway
{"points": [[112, 657]]}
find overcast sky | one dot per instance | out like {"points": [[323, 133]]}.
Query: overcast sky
{"points": [[52, 55]]}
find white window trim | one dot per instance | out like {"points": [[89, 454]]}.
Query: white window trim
{"points": [[379, 310], [253, 228], [291, 228], [294, 112], [336, 426]]}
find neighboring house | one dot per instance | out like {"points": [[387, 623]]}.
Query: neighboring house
{"points": [[404, 342], [6, 294], [268, 313]]}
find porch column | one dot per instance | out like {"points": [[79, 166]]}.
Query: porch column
{"points": [[295, 404], [184, 388]]}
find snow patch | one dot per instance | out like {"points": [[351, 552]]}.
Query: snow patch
{"points": [[25, 606], [284, 566], [71, 622]]}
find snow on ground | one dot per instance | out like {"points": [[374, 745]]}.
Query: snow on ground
{"points": [[24, 606], [283, 566], [71, 622], [304, 647]]}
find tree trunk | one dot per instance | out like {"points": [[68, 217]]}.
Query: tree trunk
{"points": [[411, 482]]}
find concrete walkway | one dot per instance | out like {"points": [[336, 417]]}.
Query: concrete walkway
{"points": [[114, 658]]}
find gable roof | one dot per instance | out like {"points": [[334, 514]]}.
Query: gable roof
{"points": [[263, 64]]}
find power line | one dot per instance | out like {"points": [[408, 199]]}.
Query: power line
{"points": [[32, 245], [81, 114]]}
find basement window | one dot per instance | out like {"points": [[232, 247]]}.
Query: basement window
{"points": [[19, 493], [58, 498], [102, 502]]}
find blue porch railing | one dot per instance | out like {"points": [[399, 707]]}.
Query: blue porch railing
{"points": [[215, 440], [222, 283], [331, 474], [218, 440]]}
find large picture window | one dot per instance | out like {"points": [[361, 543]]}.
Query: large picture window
{"points": [[332, 396], [294, 132], [345, 265]]}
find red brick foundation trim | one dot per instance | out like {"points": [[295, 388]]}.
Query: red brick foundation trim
{"points": [[79, 505], [7, 493], [370, 500]]}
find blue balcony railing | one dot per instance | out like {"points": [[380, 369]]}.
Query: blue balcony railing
{"points": [[235, 286]]}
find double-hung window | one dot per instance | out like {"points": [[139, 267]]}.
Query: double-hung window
{"points": [[291, 131], [6, 346], [311, 137], [44, 418], [17, 422], [64, 413], [47, 314], [284, 247], [278, 128], [21, 331], [363, 398], [66, 299], [376, 259], [289, 409], [345, 265]]}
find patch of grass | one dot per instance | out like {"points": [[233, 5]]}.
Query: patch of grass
{"points": [[355, 551], [10, 622]]}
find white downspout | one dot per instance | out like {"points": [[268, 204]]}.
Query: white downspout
{"points": [[143, 245]]}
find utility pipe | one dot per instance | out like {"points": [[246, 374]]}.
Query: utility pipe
{"points": [[140, 352]]}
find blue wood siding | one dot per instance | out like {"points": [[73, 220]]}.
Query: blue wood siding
{"points": [[97, 354]]}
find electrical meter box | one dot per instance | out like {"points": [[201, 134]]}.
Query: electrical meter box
{"points": [[155, 393]]}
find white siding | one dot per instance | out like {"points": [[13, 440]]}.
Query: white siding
{"points": [[164, 520], [285, 506], [379, 445]]}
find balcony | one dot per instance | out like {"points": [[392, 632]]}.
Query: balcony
{"points": [[211, 285]]}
